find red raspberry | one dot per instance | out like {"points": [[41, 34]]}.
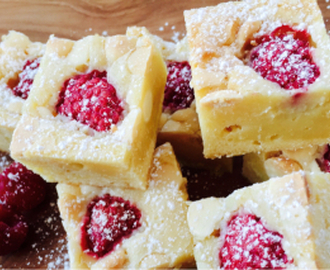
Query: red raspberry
{"points": [[107, 222], [284, 57], [249, 245], [178, 93], [20, 188], [26, 78], [90, 100], [324, 162], [13, 230]]}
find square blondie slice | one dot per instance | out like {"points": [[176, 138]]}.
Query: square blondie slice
{"points": [[19, 62], [93, 112], [260, 75], [179, 120], [127, 228], [259, 167], [278, 224]]}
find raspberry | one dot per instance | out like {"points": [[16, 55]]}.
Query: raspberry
{"points": [[13, 230], [26, 77], [90, 100], [324, 162], [284, 57], [249, 245], [107, 222], [178, 93], [20, 188]]}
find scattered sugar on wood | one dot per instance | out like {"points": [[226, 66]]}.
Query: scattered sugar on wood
{"points": [[46, 245]]}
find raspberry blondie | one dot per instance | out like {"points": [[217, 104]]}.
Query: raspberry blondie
{"points": [[179, 112], [278, 224], [260, 75], [128, 228], [93, 113], [19, 61], [179, 121]]}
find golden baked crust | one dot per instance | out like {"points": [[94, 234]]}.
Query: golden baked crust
{"points": [[296, 206], [239, 111], [258, 167], [67, 151], [15, 49], [163, 240]]}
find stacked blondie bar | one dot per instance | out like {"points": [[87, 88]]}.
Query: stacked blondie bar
{"points": [[260, 75], [251, 78]]}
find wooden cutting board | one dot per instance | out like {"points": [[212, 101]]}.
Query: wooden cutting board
{"points": [[46, 244], [77, 18]]}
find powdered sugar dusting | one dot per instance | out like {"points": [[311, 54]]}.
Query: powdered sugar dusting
{"points": [[5, 160], [216, 30], [26, 77], [46, 244], [15, 49], [285, 57], [10, 102], [248, 244], [107, 222], [90, 100], [48, 232], [178, 93], [176, 35]]}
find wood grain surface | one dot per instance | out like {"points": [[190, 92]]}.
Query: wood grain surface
{"points": [[77, 18], [46, 244]]}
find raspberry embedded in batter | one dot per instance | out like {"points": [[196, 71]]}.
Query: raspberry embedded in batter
{"points": [[249, 245], [285, 57], [178, 93], [324, 162], [90, 100], [21, 188], [107, 222], [26, 77]]}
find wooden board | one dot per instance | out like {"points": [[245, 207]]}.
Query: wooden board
{"points": [[46, 244], [77, 18]]}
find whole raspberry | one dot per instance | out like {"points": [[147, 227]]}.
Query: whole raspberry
{"points": [[13, 230], [107, 222], [90, 100], [284, 57], [26, 77], [20, 188], [178, 93], [249, 245]]}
